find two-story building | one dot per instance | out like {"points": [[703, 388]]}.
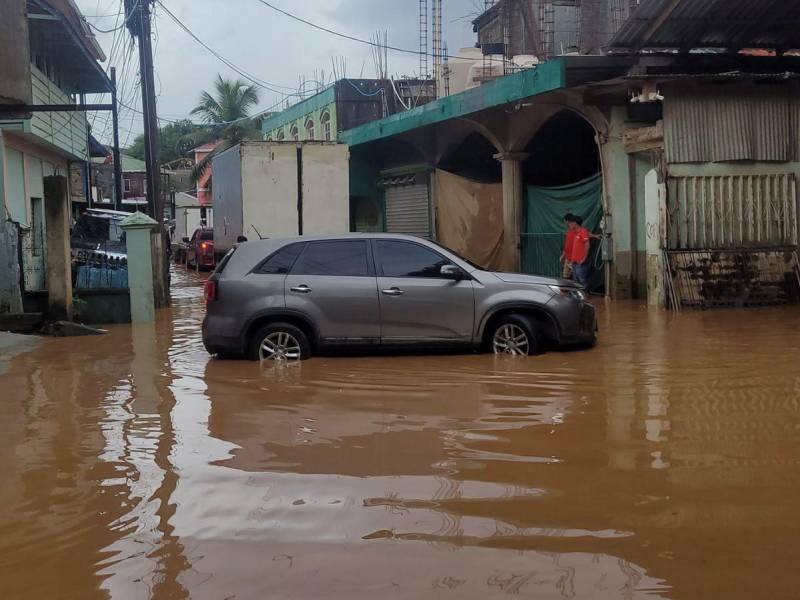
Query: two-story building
{"points": [[53, 60]]}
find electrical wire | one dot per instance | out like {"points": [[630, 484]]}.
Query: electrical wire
{"points": [[350, 37], [116, 27], [252, 78]]}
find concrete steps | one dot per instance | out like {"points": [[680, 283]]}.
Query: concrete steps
{"points": [[21, 322]]}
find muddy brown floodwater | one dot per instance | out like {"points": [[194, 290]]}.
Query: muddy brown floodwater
{"points": [[663, 464]]}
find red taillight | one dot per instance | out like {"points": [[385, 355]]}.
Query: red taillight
{"points": [[204, 246], [210, 291]]}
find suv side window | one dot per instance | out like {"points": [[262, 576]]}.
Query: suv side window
{"points": [[345, 258], [281, 262], [407, 259]]}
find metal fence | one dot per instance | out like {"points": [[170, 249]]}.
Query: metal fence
{"points": [[716, 278], [97, 269], [32, 250], [736, 211]]}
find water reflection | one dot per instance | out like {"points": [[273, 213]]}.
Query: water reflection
{"points": [[662, 464]]}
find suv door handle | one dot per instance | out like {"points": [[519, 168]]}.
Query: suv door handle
{"points": [[393, 292], [301, 289]]}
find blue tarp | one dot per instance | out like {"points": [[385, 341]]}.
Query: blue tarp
{"points": [[93, 278]]}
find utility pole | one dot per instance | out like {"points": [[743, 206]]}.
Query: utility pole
{"points": [[138, 14], [115, 149]]}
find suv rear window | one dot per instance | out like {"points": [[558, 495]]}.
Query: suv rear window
{"points": [[347, 258], [281, 261], [207, 235]]}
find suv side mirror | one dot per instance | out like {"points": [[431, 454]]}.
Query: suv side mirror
{"points": [[451, 272], [185, 240]]}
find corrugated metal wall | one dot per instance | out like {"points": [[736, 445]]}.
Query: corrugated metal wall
{"points": [[737, 211], [732, 122]]}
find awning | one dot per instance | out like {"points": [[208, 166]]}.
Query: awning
{"points": [[728, 26], [56, 32]]}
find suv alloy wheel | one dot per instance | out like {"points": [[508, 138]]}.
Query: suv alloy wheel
{"points": [[515, 335], [279, 342]]}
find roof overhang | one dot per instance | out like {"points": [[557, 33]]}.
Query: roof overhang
{"points": [[551, 76], [545, 78], [721, 26], [56, 30]]}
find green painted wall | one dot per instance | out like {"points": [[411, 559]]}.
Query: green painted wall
{"points": [[366, 198], [298, 114]]}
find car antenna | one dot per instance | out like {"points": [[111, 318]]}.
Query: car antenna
{"points": [[261, 237]]}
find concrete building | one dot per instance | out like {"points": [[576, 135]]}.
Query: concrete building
{"points": [[134, 182], [549, 28], [674, 119], [52, 58], [343, 105]]}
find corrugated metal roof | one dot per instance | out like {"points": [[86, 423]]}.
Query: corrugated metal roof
{"points": [[726, 24]]}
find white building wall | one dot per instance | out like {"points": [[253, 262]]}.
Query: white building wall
{"points": [[326, 189]]}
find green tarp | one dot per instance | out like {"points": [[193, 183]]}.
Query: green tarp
{"points": [[543, 236]]}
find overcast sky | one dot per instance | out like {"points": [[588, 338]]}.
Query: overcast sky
{"points": [[266, 44]]}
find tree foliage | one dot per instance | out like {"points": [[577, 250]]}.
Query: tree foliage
{"points": [[176, 140], [226, 113]]}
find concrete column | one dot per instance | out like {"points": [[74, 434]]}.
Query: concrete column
{"points": [[655, 209], [57, 248], [617, 190], [513, 213], [137, 229]]}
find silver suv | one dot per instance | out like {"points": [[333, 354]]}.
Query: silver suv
{"points": [[286, 299]]}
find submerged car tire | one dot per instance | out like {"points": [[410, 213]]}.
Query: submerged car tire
{"points": [[515, 335], [279, 342]]}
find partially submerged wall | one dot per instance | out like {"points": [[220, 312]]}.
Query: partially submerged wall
{"points": [[10, 293]]}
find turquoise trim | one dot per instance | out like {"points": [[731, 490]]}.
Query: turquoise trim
{"points": [[299, 110], [547, 77]]}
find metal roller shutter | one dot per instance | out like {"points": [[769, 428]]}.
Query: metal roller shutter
{"points": [[408, 210]]}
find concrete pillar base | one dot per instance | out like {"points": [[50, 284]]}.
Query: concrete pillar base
{"points": [[59, 259], [137, 229]]}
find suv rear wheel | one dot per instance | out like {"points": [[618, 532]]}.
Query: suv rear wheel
{"points": [[279, 342], [515, 335]]}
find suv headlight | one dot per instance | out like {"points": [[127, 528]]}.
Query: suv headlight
{"points": [[568, 292]]}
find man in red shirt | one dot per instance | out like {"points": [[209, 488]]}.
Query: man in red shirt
{"points": [[576, 249]]}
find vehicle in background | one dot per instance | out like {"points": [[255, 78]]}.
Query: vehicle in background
{"points": [[286, 299], [280, 189], [97, 235], [198, 251]]}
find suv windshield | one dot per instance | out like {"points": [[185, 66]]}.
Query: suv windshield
{"points": [[451, 251]]}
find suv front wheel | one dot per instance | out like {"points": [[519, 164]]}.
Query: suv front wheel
{"points": [[514, 335], [279, 342]]}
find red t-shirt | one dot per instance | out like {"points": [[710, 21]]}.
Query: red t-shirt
{"points": [[576, 246]]}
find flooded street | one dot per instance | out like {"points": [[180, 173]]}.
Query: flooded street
{"points": [[663, 464]]}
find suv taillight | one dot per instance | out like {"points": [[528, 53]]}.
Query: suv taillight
{"points": [[210, 291]]}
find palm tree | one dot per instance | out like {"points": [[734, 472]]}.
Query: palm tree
{"points": [[227, 114]]}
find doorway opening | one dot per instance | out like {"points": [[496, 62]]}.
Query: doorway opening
{"points": [[562, 175]]}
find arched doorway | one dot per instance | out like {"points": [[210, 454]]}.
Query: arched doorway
{"points": [[562, 174]]}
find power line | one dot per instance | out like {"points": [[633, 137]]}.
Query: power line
{"points": [[252, 78], [344, 35]]}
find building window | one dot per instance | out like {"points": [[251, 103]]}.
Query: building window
{"points": [[294, 133], [325, 120], [269, 137], [127, 183], [310, 129], [281, 136]]}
